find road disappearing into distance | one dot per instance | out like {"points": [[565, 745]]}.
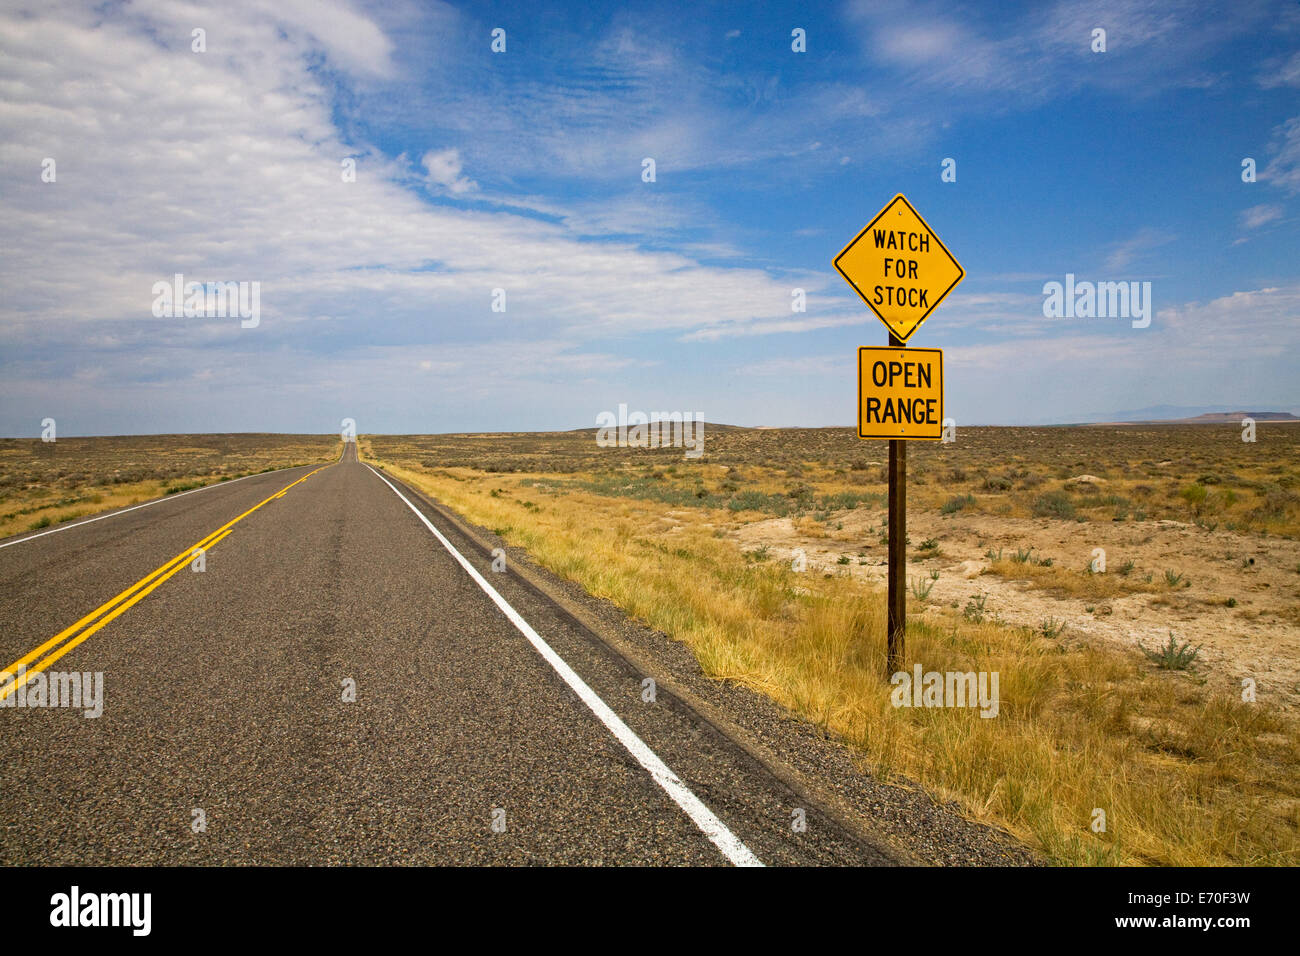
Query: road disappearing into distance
{"points": [[347, 680]]}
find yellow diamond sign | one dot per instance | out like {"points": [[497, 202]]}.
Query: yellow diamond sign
{"points": [[899, 267]]}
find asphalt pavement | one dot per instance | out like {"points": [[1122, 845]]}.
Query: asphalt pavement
{"points": [[348, 680]]}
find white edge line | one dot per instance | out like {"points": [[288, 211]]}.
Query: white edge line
{"points": [[727, 842], [122, 511]]}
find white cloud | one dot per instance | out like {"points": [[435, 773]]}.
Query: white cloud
{"points": [[1260, 215], [444, 168], [1286, 73], [1151, 45], [227, 166], [636, 92], [349, 38], [1143, 241], [1283, 169], [804, 323], [1220, 333], [802, 367], [1233, 350]]}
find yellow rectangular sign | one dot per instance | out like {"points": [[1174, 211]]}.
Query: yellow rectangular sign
{"points": [[900, 392]]}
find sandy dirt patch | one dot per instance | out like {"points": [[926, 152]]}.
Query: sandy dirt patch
{"points": [[1257, 638]]}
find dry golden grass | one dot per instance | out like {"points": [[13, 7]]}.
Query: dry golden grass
{"points": [[1192, 473], [42, 484], [1185, 776]]}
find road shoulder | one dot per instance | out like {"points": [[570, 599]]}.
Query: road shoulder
{"points": [[900, 819]]}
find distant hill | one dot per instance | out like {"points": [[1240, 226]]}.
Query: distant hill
{"points": [[1238, 416], [1178, 413], [1209, 418], [709, 426]]}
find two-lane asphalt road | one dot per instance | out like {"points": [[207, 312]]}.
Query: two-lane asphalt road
{"points": [[487, 727]]}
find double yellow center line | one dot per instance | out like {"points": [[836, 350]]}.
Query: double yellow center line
{"points": [[20, 671]]}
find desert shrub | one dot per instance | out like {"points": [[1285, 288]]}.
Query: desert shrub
{"points": [[1053, 504], [958, 503]]}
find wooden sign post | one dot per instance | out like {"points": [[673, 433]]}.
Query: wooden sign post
{"points": [[896, 610], [901, 269]]}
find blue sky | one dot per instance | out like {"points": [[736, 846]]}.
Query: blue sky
{"points": [[522, 170]]}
